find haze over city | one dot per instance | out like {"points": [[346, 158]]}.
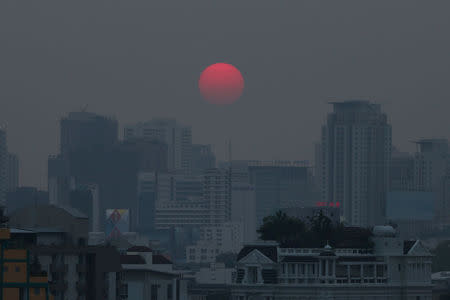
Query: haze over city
{"points": [[137, 60]]}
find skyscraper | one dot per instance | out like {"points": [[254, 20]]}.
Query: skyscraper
{"points": [[13, 172], [431, 170], [85, 137], [280, 184], [177, 137], [86, 131], [356, 149], [401, 171], [3, 167], [431, 161], [217, 193], [202, 158]]}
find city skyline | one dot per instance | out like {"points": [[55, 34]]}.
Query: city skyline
{"points": [[226, 150], [294, 60]]}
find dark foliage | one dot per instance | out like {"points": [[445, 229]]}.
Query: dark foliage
{"points": [[441, 260], [314, 232]]}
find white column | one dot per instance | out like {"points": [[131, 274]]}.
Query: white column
{"points": [[260, 278], [327, 262], [174, 289], [334, 268], [245, 278]]}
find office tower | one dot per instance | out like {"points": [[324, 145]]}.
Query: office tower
{"points": [[202, 158], [443, 206], [401, 171], [59, 180], [430, 163], [217, 194], [25, 196], [86, 131], [3, 167], [177, 137], [13, 172], [355, 149], [243, 208], [86, 139], [280, 184], [173, 200], [431, 166]]}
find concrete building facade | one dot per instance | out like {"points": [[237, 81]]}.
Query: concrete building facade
{"points": [[355, 155], [392, 269]]}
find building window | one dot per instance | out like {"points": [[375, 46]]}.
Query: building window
{"points": [[169, 291], [37, 291], [154, 292], [5, 269], [252, 274], [17, 269]]}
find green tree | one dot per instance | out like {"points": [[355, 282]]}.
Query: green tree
{"points": [[441, 260], [315, 232]]}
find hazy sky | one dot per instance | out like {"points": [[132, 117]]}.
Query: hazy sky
{"points": [[141, 59]]}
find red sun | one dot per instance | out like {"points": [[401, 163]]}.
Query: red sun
{"points": [[221, 83]]}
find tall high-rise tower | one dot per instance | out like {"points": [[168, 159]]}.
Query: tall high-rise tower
{"points": [[355, 154], [177, 137], [3, 167], [86, 131]]}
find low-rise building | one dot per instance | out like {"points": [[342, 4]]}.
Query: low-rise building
{"points": [[22, 276], [392, 269], [147, 275]]}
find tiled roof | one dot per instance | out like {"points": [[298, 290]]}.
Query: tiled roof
{"points": [[269, 251], [407, 245]]}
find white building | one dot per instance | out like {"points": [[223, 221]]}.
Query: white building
{"points": [[215, 240], [355, 153], [177, 137], [202, 252], [216, 273], [392, 269], [217, 193], [146, 275]]}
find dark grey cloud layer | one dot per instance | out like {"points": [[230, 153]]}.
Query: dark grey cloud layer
{"points": [[139, 59]]}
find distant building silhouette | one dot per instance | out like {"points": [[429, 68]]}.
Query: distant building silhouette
{"points": [[13, 172], [280, 185], [355, 155], [91, 154], [202, 158], [86, 130], [3, 167], [177, 137], [431, 170], [25, 196], [401, 171]]}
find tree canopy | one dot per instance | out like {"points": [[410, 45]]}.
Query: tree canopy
{"points": [[314, 232], [441, 260]]}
